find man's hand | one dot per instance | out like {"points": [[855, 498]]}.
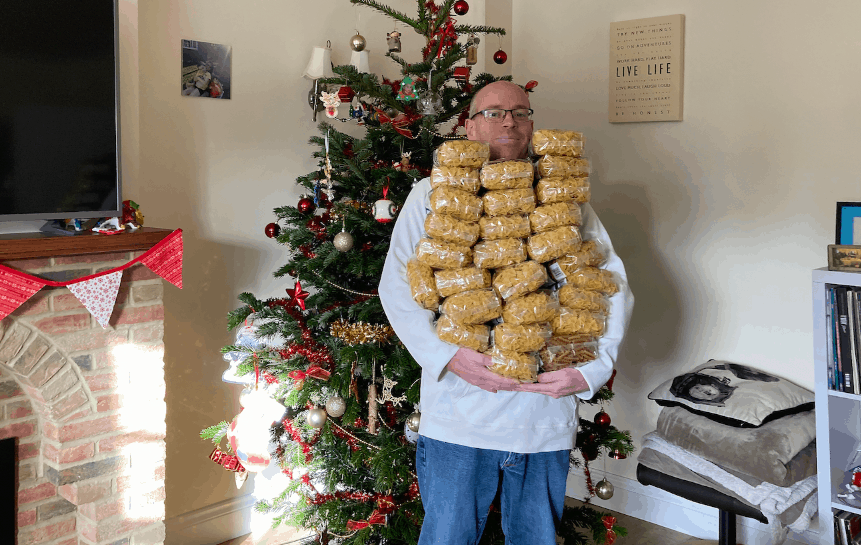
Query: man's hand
{"points": [[471, 366], [557, 383]]}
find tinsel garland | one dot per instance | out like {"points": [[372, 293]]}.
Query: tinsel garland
{"points": [[296, 436], [360, 332]]}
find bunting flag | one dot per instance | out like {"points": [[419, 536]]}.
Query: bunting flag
{"points": [[97, 292]]}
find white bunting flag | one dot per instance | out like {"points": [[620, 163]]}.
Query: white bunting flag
{"points": [[99, 295]]}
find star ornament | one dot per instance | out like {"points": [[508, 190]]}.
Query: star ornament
{"points": [[297, 295]]}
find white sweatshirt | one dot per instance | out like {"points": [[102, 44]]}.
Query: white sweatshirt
{"points": [[454, 410]]}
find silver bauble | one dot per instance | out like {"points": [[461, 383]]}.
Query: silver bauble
{"points": [[343, 241], [604, 489], [316, 418], [413, 421], [411, 436], [335, 405], [358, 42]]}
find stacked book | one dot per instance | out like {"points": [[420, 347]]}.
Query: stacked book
{"points": [[843, 317]]}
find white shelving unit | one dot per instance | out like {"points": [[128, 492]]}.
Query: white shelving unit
{"points": [[838, 414]]}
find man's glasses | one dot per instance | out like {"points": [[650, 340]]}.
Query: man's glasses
{"points": [[497, 115]]}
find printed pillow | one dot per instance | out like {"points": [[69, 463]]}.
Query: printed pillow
{"points": [[733, 394]]}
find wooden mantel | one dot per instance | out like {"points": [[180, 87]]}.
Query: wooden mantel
{"points": [[39, 245]]}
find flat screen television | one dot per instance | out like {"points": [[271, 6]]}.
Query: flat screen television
{"points": [[59, 110]]}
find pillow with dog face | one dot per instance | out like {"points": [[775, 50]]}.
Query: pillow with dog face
{"points": [[733, 394]]}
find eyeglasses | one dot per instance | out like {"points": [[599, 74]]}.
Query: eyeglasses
{"points": [[497, 115]]}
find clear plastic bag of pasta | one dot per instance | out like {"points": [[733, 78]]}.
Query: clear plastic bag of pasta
{"points": [[422, 284], [516, 365], [461, 153], [567, 351], [463, 178], [519, 279], [551, 216], [589, 254], [492, 228], [472, 307], [581, 299], [505, 202], [554, 243], [450, 229], [565, 167], [578, 322], [557, 142], [531, 308], [520, 337], [443, 255], [555, 189], [451, 281], [516, 174], [493, 254], [476, 337], [454, 202], [594, 279]]}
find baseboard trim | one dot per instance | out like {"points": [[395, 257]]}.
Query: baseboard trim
{"points": [[662, 508], [212, 524]]}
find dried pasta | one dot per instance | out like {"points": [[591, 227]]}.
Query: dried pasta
{"points": [[491, 228], [422, 284], [462, 153], [451, 281], [450, 229], [554, 243], [556, 165], [507, 175], [578, 322], [493, 254], [581, 299], [443, 255], [504, 202], [522, 367], [519, 279], [531, 308], [551, 216], [557, 142], [594, 279], [476, 337], [567, 351], [454, 202], [472, 307], [465, 179], [590, 254], [556, 189], [520, 338]]}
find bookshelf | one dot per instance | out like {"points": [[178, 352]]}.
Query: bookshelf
{"points": [[838, 414]]}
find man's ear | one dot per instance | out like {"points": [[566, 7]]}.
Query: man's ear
{"points": [[470, 129]]}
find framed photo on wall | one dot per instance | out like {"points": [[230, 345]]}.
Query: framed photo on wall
{"points": [[848, 223]]}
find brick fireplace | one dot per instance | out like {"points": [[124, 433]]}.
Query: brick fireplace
{"points": [[86, 406]]}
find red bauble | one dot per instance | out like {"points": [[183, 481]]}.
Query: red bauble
{"points": [[346, 93], [272, 230], [589, 452], [305, 205], [602, 419], [500, 57], [461, 7]]}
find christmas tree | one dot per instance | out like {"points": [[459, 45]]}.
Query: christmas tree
{"points": [[328, 354]]}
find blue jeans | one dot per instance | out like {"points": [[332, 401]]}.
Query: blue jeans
{"points": [[458, 484]]}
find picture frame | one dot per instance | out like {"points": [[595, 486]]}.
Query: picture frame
{"points": [[846, 258], [848, 232]]}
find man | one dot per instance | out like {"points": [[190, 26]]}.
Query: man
{"points": [[480, 431]]}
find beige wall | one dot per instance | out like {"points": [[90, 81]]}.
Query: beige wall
{"points": [[719, 218]]}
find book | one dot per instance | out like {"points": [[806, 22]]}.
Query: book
{"points": [[829, 343], [838, 371], [843, 339], [851, 315]]}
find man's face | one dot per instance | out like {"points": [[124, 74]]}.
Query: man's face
{"points": [[509, 139]]}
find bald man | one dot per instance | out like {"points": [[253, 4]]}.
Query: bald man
{"points": [[481, 433]]}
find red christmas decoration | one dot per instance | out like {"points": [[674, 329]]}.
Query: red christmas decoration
{"points": [[297, 295], [305, 205], [461, 73], [500, 57], [461, 7], [346, 93], [306, 251], [530, 85], [617, 455], [272, 230], [602, 419], [609, 522]]}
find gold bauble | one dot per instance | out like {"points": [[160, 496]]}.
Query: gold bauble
{"points": [[316, 418], [358, 42], [413, 421], [335, 406]]}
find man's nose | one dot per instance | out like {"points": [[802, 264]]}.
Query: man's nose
{"points": [[508, 118]]}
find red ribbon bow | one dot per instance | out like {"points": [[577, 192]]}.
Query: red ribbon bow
{"points": [[446, 35], [609, 522], [313, 371], [375, 518], [400, 122]]}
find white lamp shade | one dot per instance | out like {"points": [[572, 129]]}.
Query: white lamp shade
{"points": [[359, 60], [320, 65]]}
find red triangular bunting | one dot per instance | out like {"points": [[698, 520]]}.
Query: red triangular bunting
{"points": [[165, 258], [99, 295], [15, 289]]}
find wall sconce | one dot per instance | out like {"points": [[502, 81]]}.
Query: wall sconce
{"points": [[359, 60], [319, 66]]}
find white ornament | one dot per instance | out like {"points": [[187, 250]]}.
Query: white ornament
{"points": [[331, 101], [343, 241], [248, 433], [384, 211], [316, 418], [335, 406]]}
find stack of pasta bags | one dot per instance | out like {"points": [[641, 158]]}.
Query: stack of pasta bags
{"points": [[491, 236]]}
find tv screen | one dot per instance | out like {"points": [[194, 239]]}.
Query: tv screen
{"points": [[59, 120]]}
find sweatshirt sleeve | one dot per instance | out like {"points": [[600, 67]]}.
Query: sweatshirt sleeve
{"points": [[412, 323], [598, 372]]}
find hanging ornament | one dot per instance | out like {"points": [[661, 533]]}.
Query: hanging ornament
{"points": [[372, 402], [331, 103], [429, 103], [343, 240], [358, 42], [336, 406], [589, 452], [461, 7], [358, 112], [404, 164], [604, 489], [616, 454], [530, 85], [306, 204], [346, 93], [407, 91], [393, 40], [461, 74], [244, 396], [272, 230], [248, 433], [609, 522], [316, 417], [472, 49], [500, 57], [413, 421], [384, 209], [297, 295], [602, 419]]}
